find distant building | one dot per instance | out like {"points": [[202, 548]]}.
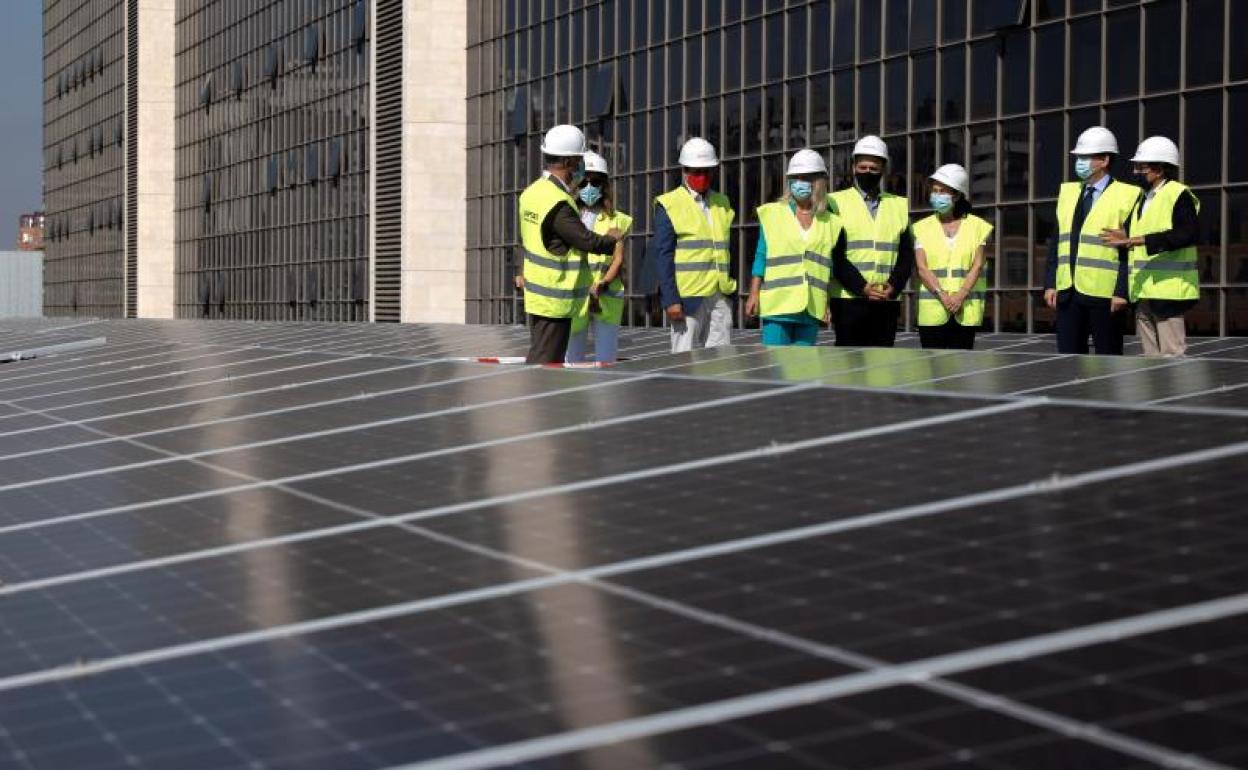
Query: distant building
{"points": [[30, 232], [21, 284]]}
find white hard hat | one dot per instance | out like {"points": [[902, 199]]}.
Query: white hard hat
{"points": [[1157, 149], [953, 175], [1097, 140], [698, 153], [873, 146], [564, 142], [807, 162], [595, 164]]}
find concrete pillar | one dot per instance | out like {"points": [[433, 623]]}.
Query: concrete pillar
{"points": [[154, 193], [435, 138]]}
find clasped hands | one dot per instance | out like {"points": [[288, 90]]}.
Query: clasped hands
{"points": [[878, 291]]}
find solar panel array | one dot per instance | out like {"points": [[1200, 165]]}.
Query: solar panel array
{"points": [[317, 546]]}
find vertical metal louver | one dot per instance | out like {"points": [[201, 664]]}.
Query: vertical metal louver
{"points": [[131, 218], [388, 170]]}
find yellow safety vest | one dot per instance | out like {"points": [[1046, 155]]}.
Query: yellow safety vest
{"points": [[871, 242], [798, 268], [702, 261], [1096, 266], [612, 300], [951, 268], [554, 286], [1170, 274]]}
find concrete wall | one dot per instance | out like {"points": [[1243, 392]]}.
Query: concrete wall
{"points": [[435, 138], [155, 193], [21, 284]]}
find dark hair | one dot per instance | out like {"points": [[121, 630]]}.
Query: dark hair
{"points": [[608, 198], [552, 160]]}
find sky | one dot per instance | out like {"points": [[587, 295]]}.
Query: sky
{"points": [[21, 115]]}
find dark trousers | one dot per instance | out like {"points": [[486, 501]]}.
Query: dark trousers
{"points": [[548, 339], [950, 335], [865, 323], [1079, 316]]}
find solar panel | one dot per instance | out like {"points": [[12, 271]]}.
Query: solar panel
{"points": [[307, 545], [1189, 381]]}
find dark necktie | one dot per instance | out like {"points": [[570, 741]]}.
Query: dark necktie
{"points": [[1076, 229]]}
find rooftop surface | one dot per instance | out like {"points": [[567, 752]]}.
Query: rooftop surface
{"points": [[305, 545]]}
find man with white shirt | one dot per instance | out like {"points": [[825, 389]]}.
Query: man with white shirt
{"points": [[690, 256], [1085, 279]]}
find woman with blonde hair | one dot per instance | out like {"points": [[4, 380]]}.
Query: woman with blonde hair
{"points": [[798, 239]]}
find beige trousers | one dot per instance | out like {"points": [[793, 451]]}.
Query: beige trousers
{"points": [[1159, 336], [710, 327]]}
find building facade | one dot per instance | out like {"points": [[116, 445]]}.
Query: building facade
{"points": [[273, 160], [1000, 86], [283, 159], [355, 160], [84, 133], [108, 170]]}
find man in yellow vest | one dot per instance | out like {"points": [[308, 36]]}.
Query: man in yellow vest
{"points": [[1163, 279], [1086, 280], [556, 275], [689, 252], [865, 292]]}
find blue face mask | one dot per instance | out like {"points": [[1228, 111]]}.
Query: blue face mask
{"points": [[590, 195], [1083, 168], [942, 203], [578, 175], [801, 189]]}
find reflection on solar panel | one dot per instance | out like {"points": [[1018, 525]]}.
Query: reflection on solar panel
{"points": [[296, 545]]}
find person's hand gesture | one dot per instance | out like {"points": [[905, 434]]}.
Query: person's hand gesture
{"points": [[751, 305]]}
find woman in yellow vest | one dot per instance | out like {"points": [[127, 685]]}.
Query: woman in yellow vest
{"points": [[949, 255], [1163, 279], [604, 308], [793, 261]]}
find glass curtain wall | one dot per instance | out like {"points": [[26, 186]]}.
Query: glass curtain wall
{"points": [[84, 156], [272, 160], [999, 86]]}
